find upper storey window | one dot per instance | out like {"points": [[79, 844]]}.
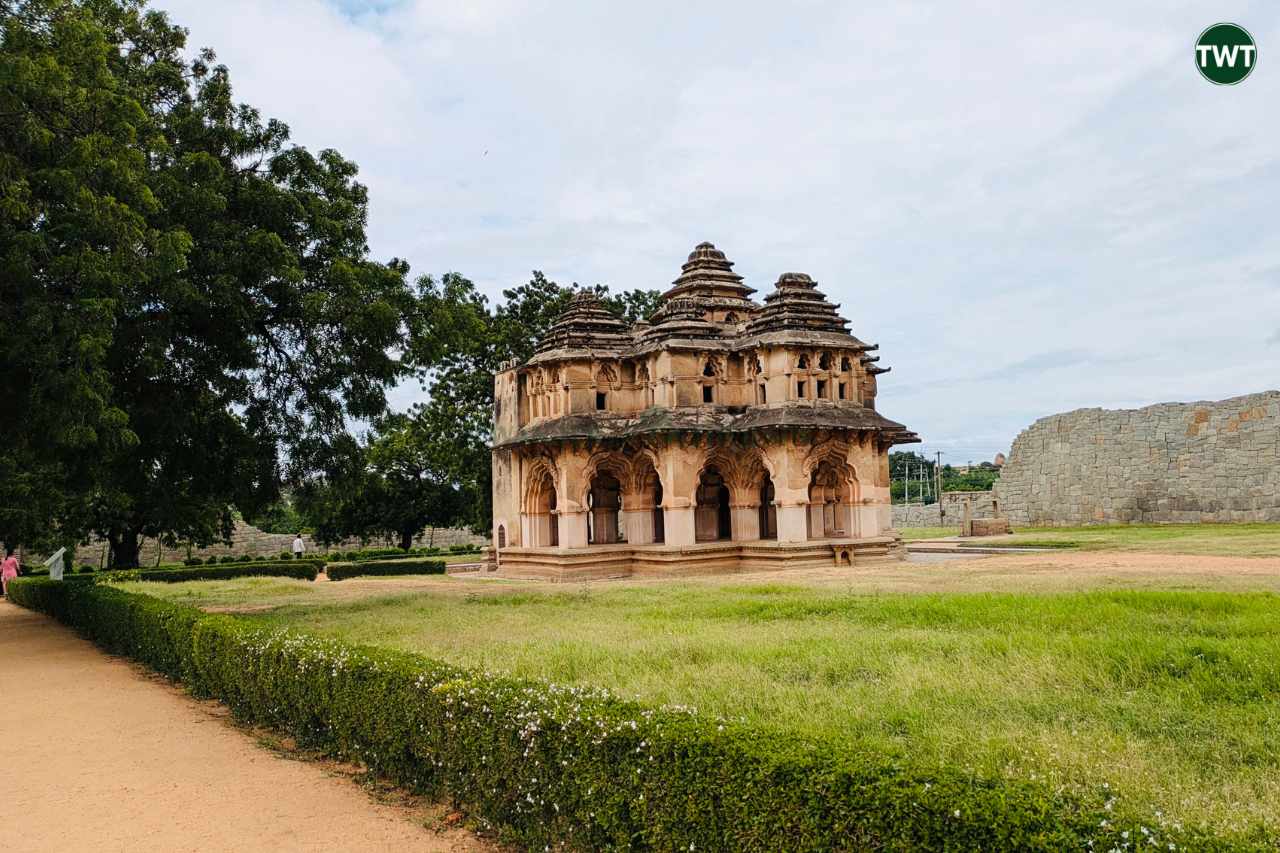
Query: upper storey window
{"points": [[803, 363], [845, 364], [824, 361], [709, 369]]}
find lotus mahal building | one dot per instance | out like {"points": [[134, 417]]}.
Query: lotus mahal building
{"points": [[722, 435]]}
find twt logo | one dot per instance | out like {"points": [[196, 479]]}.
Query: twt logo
{"points": [[1226, 54]]}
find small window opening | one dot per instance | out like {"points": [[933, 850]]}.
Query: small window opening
{"points": [[800, 390], [502, 536], [706, 393], [822, 389], [708, 369], [845, 365], [824, 361], [731, 317], [763, 395], [841, 390], [602, 401], [803, 363]]}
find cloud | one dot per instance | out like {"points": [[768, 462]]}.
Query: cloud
{"points": [[1031, 210]]}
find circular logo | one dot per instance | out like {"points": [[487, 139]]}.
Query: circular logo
{"points": [[1226, 54]]}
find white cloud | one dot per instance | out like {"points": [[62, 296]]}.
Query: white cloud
{"points": [[1031, 210]]}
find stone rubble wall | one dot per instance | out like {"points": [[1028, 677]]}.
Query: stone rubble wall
{"points": [[1173, 462], [930, 515], [247, 539]]}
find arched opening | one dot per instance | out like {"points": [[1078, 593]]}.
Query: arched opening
{"points": [[544, 528], [712, 519], [659, 522], [830, 503], [768, 511], [502, 536], [605, 502]]}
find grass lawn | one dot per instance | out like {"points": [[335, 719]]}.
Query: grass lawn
{"points": [[1170, 698], [1227, 540], [1234, 540]]}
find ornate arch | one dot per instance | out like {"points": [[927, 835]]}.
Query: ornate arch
{"points": [[540, 468], [613, 462]]}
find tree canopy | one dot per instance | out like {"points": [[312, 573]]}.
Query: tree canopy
{"points": [[461, 342], [189, 301]]}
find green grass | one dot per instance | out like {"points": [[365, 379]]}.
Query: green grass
{"points": [[1234, 540], [1170, 698]]}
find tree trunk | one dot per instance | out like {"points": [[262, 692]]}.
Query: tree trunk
{"points": [[406, 539], [124, 549]]}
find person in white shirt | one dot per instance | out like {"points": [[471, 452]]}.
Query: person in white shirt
{"points": [[298, 547]]}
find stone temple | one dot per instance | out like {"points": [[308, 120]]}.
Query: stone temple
{"points": [[722, 435]]}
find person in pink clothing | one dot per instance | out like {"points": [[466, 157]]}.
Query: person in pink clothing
{"points": [[8, 569]]}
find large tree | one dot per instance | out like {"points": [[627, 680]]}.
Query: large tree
{"points": [[461, 342], [198, 308], [401, 481]]}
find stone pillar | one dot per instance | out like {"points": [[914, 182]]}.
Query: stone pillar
{"points": [[678, 516], [637, 517], [573, 527], [868, 518], [678, 467], [793, 520], [746, 521]]}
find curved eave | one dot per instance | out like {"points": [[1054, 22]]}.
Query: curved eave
{"points": [[656, 420]]}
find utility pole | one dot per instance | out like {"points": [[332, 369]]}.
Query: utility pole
{"points": [[937, 488]]}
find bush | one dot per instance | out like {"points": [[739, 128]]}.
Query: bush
{"points": [[85, 569], [244, 558], [301, 569], [285, 555], [404, 566], [555, 765], [463, 549]]}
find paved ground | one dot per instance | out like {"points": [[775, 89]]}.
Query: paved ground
{"points": [[97, 756]]}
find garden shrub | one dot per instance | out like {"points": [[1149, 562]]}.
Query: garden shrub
{"points": [[403, 566], [301, 569], [577, 767], [193, 561]]}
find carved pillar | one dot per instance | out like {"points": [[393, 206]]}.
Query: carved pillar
{"points": [[746, 521], [637, 517], [570, 494], [679, 465]]}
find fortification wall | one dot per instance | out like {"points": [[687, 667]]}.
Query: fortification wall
{"points": [[1173, 462], [931, 515]]}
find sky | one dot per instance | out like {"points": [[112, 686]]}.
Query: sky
{"points": [[1032, 208]]}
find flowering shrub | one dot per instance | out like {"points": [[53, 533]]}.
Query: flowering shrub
{"points": [[339, 571], [577, 767]]}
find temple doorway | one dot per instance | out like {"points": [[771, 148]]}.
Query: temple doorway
{"points": [[605, 502], [659, 522], [828, 507], [712, 519], [768, 511]]}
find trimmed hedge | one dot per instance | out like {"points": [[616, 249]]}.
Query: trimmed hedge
{"points": [[301, 569], [554, 765], [403, 566]]}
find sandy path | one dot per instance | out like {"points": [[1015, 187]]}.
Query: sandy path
{"points": [[95, 756]]}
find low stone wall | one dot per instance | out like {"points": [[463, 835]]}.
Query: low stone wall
{"points": [[247, 539], [1173, 462], [931, 515]]}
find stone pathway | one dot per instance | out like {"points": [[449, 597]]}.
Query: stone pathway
{"points": [[96, 756]]}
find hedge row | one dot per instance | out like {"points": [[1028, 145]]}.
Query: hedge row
{"points": [[552, 765], [301, 569], [405, 566]]}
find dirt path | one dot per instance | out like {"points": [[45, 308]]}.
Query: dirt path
{"points": [[96, 756]]}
